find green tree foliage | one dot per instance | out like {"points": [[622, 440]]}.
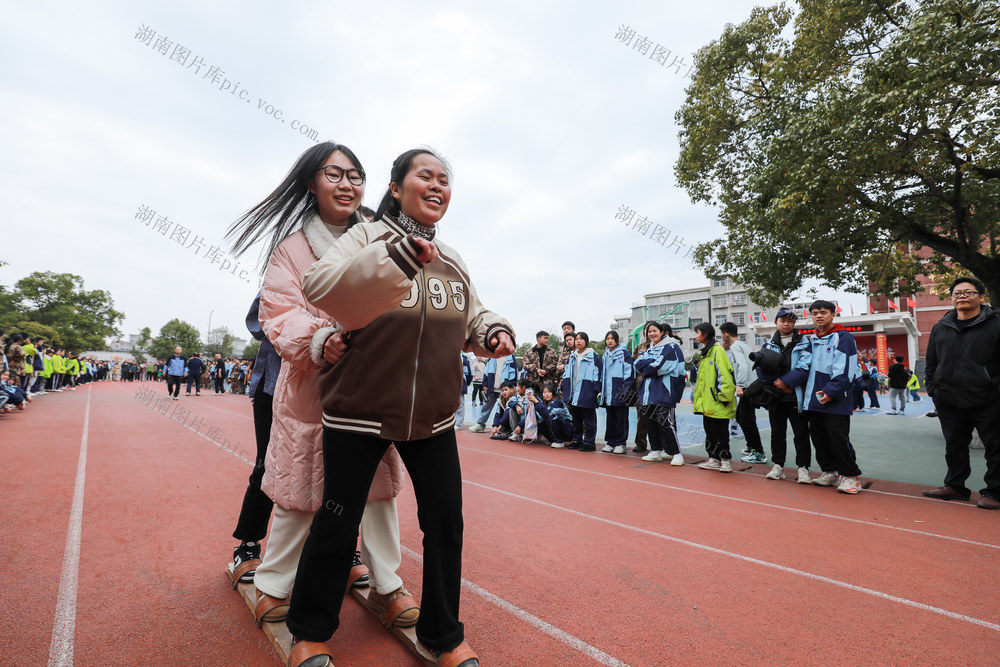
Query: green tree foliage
{"points": [[251, 350], [173, 333], [837, 139], [220, 341], [141, 343], [83, 319], [35, 329]]}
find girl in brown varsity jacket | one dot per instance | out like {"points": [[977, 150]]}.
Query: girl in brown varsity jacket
{"points": [[406, 306]]}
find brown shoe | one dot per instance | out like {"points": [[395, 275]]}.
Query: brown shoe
{"points": [[988, 503], [397, 608], [947, 493]]}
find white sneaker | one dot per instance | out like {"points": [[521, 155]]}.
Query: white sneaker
{"points": [[726, 465], [557, 445], [654, 455], [677, 460], [777, 472], [826, 479], [849, 485], [620, 449], [804, 477], [711, 464], [608, 449]]}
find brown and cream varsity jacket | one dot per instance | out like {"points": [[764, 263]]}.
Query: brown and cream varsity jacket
{"points": [[398, 379]]}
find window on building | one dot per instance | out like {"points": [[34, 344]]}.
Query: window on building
{"points": [[720, 301], [719, 319], [739, 299], [739, 319], [743, 337], [760, 340], [719, 283], [696, 321], [694, 343], [755, 317]]}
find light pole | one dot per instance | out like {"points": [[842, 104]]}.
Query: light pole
{"points": [[208, 335]]}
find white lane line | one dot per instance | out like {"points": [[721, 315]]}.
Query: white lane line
{"points": [[748, 559], [547, 628], [64, 627], [741, 500]]}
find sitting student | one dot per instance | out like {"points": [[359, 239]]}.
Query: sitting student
{"points": [[502, 428], [496, 373], [16, 397], [555, 424]]}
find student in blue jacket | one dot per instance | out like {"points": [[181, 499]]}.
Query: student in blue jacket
{"points": [[493, 377], [617, 377], [662, 378], [581, 387], [554, 420], [828, 374]]}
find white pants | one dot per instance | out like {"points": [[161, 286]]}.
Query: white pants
{"points": [[289, 529]]}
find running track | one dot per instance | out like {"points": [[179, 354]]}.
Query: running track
{"points": [[117, 522]]}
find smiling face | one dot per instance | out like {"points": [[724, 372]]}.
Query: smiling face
{"points": [[425, 191], [654, 335], [336, 201]]}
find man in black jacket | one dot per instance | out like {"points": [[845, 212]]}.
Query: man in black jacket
{"points": [[898, 377], [219, 374], [963, 377], [195, 366]]}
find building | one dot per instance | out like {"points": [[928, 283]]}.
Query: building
{"points": [[720, 301]]}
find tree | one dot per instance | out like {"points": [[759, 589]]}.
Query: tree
{"points": [[141, 343], [839, 147], [83, 319], [173, 333], [35, 329], [251, 350], [220, 341]]}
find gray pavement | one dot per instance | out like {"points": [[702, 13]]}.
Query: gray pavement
{"points": [[900, 448]]}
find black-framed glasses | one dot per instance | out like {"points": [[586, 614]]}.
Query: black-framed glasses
{"points": [[335, 173], [964, 293]]}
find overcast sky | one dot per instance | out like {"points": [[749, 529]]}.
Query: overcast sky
{"points": [[550, 123]]}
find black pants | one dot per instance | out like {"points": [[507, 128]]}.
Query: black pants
{"points": [[556, 430], [716, 437], [351, 460], [193, 380], [746, 417], [661, 427], [831, 436], [779, 416], [218, 385], [477, 391], [957, 425], [584, 425], [640, 430], [256, 510], [616, 427], [174, 385], [873, 397]]}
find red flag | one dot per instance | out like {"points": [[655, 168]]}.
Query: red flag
{"points": [[839, 310], [763, 317], [805, 313], [892, 305], [852, 310], [911, 302], [871, 311]]}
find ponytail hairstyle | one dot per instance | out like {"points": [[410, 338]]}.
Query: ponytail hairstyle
{"points": [[400, 168], [709, 331], [667, 329], [283, 211]]}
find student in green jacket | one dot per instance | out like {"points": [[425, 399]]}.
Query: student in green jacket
{"points": [[58, 368], [72, 371], [714, 398]]}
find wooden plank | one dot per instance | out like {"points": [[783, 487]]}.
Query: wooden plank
{"points": [[281, 638], [277, 633], [406, 635]]}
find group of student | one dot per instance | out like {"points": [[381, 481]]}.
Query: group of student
{"points": [[809, 382], [32, 368]]}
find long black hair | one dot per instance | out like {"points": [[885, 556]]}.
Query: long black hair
{"points": [[282, 211], [400, 168]]}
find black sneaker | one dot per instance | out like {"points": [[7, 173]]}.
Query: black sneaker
{"points": [[638, 450], [247, 551], [362, 581]]}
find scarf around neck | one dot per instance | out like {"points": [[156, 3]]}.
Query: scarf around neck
{"points": [[415, 228]]}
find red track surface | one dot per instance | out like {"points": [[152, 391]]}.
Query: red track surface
{"points": [[570, 558]]}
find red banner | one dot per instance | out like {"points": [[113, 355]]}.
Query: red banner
{"points": [[882, 353]]}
